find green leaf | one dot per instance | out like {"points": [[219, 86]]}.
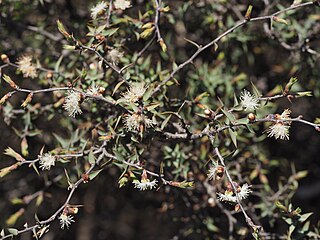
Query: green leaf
{"points": [[304, 94], [94, 174], [101, 28], [110, 32], [233, 135], [230, 116], [304, 217], [14, 217], [57, 65], [10, 152], [117, 86], [35, 168], [152, 106], [291, 229], [123, 181], [91, 158], [24, 147], [241, 121], [63, 142], [301, 174], [118, 155], [305, 227], [165, 122], [256, 92], [281, 206], [39, 199], [13, 231], [16, 201], [235, 100]]}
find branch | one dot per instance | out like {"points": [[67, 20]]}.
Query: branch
{"points": [[156, 20], [255, 228], [56, 213], [217, 39], [54, 89]]}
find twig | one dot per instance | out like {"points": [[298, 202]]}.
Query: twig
{"points": [[255, 228], [54, 89], [156, 19], [109, 13]]}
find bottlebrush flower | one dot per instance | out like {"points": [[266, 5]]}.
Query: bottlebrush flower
{"points": [[26, 66], [216, 172], [248, 101], [229, 195], [47, 161], [135, 121], [98, 9], [135, 92], [65, 220], [279, 130], [145, 183], [114, 56], [122, 4], [71, 104]]}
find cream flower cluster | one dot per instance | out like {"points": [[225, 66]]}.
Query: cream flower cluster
{"points": [[248, 101], [65, 220], [135, 92], [114, 55], [98, 9], [26, 66], [47, 161], [280, 129], [134, 121], [122, 4], [145, 184], [71, 104], [230, 197], [216, 171]]}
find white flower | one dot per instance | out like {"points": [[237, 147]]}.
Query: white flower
{"points": [[134, 121], [229, 196], [122, 4], [47, 161], [279, 130], [148, 122], [71, 104], [94, 90], [245, 191], [114, 56], [135, 92], [65, 220], [145, 184], [26, 67], [248, 101], [226, 197], [216, 171], [285, 114], [98, 9]]}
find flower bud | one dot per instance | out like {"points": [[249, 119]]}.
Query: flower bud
{"points": [[5, 58], [49, 75], [251, 117]]}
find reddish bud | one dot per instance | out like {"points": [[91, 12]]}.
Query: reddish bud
{"points": [[251, 117]]}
